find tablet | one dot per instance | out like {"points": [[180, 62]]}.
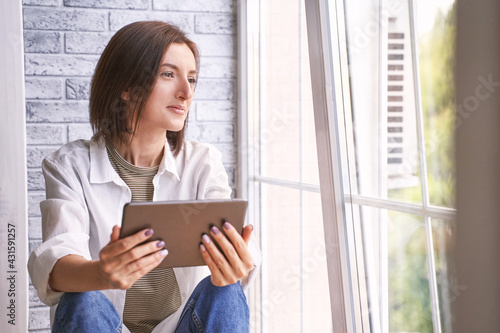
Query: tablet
{"points": [[180, 224]]}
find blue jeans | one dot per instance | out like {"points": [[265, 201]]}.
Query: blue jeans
{"points": [[209, 309]]}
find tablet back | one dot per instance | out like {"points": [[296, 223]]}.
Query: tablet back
{"points": [[180, 224]]}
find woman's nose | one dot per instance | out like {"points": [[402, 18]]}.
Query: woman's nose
{"points": [[185, 90]]}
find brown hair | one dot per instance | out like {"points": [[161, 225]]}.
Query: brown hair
{"points": [[130, 62]]}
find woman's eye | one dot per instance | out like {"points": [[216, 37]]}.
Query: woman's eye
{"points": [[167, 74], [192, 80]]}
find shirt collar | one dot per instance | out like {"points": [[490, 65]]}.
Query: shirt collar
{"points": [[168, 163], [101, 170]]}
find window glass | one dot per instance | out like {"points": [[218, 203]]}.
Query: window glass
{"points": [[436, 42], [448, 287], [401, 70], [294, 291], [282, 279], [295, 295], [400, 126], [409, 294], [384, 106], [318, 315], [396, 257], [280, 71]]}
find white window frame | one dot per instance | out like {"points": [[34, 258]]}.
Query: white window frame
{"points": [[326, 66]]}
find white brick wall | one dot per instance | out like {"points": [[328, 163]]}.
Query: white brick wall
{"points": [[63, 40]]}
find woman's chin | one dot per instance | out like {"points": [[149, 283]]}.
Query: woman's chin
{"points": [[176, 129]]}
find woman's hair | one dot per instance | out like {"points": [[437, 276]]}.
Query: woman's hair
{"points": [[130, 63]]}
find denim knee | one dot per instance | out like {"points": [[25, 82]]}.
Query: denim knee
{"points": [[86, 312], [226, 295], [215, 309]]}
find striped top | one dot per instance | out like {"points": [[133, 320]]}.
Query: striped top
{"points": [[156, 295]]}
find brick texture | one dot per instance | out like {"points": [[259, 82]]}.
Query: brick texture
{"points": [[86, 42], [39, 318], [215, 89], [79, 131], [214, 132], [43, 88], [63, 40], [34, 198], [215, 45], [78, 88], [215, 24], [60, 65], [215, 110], [35, 154], [218, 67], [126, 4], [67, 111], [118, 19], [45, 134], [53, 3], [42, 42], [64, 19], [35, 180], [195, 5]]}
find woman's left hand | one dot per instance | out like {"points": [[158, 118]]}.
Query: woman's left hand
{"points": [[235, 261]]}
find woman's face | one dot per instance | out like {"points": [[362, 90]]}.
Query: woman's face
{"points": [[169, 102]]}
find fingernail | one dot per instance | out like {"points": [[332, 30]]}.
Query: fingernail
{"points": [[160, 244], [203, 248], [149, 232], [251, 227], [227, 226], [164, 252], [215, 230], [206, 239]]}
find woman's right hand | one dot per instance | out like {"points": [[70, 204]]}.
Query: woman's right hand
{"points": [[124, 261]]}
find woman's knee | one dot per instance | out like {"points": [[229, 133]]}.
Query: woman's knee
{"points": [[85, 311], [232, 292], [224, 300], [216, 309]]}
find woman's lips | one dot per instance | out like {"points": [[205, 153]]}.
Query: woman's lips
{"points": [[178, 109]]}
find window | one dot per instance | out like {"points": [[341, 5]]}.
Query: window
{"points": [[283, 179], [379, 114]]}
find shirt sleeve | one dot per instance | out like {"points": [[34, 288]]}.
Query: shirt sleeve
{"points": [[216, 186], [65, 225], [214, 182]]}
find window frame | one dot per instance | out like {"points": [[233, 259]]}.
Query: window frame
{"points": [[327, 64]]}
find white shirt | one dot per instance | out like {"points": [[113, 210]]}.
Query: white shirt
{"points": [[85, 199]]}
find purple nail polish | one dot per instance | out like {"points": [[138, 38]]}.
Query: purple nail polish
{"points": [[160, 244], [163, 252], [206, 239], [227, 226], [214, 230], [203, 248], [149, 232]]}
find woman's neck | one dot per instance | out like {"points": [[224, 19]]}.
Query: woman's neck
{"points": [[143, 151]]}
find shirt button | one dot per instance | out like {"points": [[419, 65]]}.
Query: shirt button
{"points": [[184, 295]]}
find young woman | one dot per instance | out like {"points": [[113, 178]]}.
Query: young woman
{"points": [[140, 97]]}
